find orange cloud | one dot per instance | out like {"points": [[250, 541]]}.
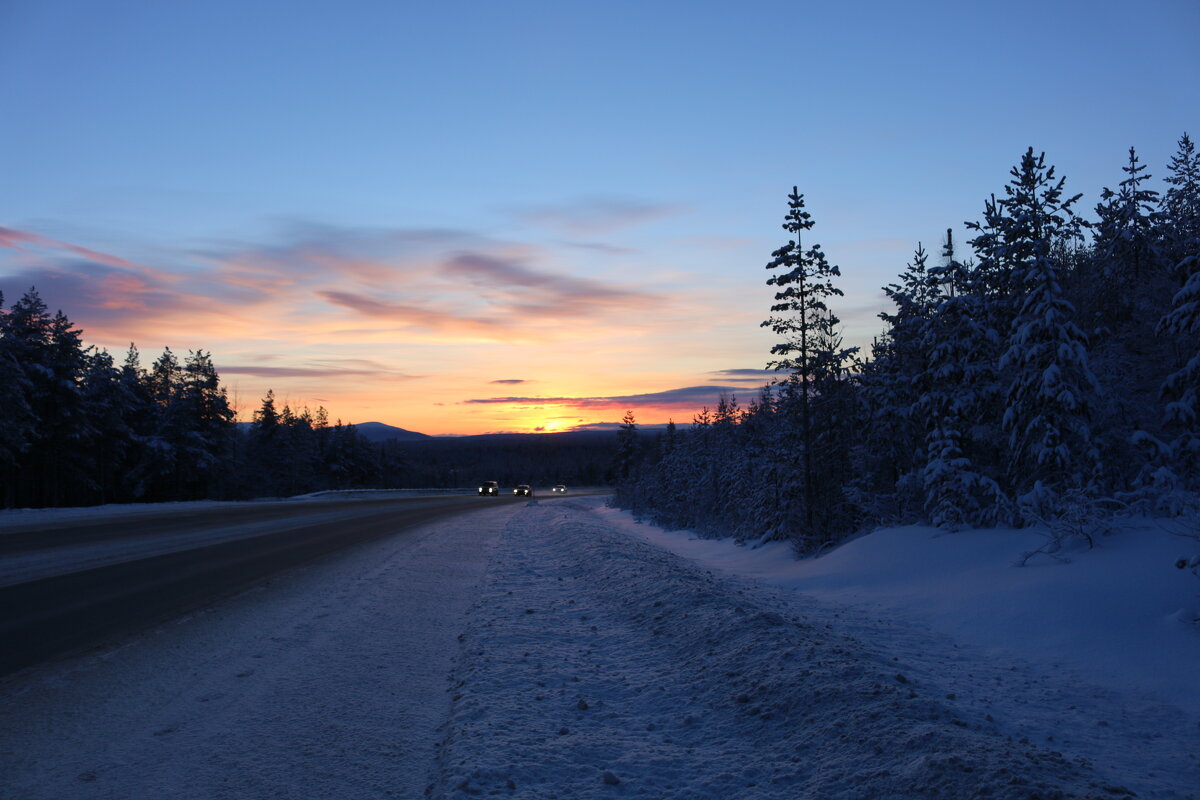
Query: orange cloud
{"points": [[438, 303], [414, 315]]}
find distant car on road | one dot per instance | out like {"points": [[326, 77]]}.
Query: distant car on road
{"points": [[489, 488], [523, 489], [560, 489]]}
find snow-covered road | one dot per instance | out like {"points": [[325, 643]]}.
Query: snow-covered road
{"points": [[326, 681], [581, 661]]}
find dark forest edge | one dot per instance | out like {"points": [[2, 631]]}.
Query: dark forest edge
{"points": [[1051, 379], [80, 430]]}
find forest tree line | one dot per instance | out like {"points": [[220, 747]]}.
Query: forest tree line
{"points": [[81, 429], [1050, 376]]}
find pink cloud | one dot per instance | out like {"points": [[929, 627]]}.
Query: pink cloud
{"points": [[403, 314], [688, 397], [444, 281], [13, 238]]}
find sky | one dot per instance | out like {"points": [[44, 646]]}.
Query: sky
{"points": [[470, 217]]}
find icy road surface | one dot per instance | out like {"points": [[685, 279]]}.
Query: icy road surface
{"points": [[326, 681], [543, 651]]}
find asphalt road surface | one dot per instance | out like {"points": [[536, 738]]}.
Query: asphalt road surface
{"points": [[70, 583]]}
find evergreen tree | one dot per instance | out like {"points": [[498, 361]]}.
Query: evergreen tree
{"points": [[51, 357], [959, 383], [803, 319], [1181, 324], [1125, 236], [17, 432], [627, 446], [1050, 441], [204, 422], [891, 386], [1179, 211], [106, 402], [267, 451]]}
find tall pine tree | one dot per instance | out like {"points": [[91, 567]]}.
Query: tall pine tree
{"points": [[1051, 451]]}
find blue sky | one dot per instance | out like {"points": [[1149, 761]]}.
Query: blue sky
{"points": [[386, 207]]}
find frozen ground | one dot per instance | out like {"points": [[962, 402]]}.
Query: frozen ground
{"points": [[591, 657], [597, 664], [1119, 614], [326, 682]]}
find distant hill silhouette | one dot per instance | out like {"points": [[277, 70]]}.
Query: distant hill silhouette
{"points": [[381, 432], [374, 432]]}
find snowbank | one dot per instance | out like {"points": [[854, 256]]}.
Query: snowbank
{"points": [[598, 664], [1119, 614]]}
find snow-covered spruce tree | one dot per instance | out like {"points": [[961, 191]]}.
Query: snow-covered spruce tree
{"points": [[993, 273], [959, 382], [205, 424], [627, 446], [1120, 289], [889, 462], [267, 449], [1051, 452], [655, 494], [161, 470], [140, 414], [16, 433], [835, 409], [50, 469], [802, 319], [1181, 389], [298, 444], [1126, 238], [1179, 211], [727, 476], [105, 401], [767, 460], [624, 471]]}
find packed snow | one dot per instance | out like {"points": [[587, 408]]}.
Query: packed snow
{"points": [[559, 649], [598, 657], [1118, 613], [325, 681]]}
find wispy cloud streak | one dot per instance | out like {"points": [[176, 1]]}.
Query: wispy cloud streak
{"points": [[690, 397], [444, 282], [593, 216]]}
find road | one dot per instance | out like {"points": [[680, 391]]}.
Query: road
{"points": [[65, 583], [545, 649], [326, 679]]}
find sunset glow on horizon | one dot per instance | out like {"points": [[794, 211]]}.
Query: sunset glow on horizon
{"points": [[467, 219]]}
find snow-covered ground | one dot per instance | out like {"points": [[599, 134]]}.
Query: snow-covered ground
{"points": [[1120, 614], [589, 656], [600, 659], [327, 681]]}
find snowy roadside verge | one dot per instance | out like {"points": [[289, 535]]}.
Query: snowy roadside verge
{"points": [[596, 664], [1118, 614]]}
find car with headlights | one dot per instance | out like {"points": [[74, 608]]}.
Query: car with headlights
{"points": [[559, 488], [489, 489], [523, 490]]}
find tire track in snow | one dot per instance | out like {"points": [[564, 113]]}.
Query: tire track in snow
{"points": [[324, 681], [596, 665]]}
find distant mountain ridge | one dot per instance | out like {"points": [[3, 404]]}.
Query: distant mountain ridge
{"points": [[382, 432], [375, 432]]}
